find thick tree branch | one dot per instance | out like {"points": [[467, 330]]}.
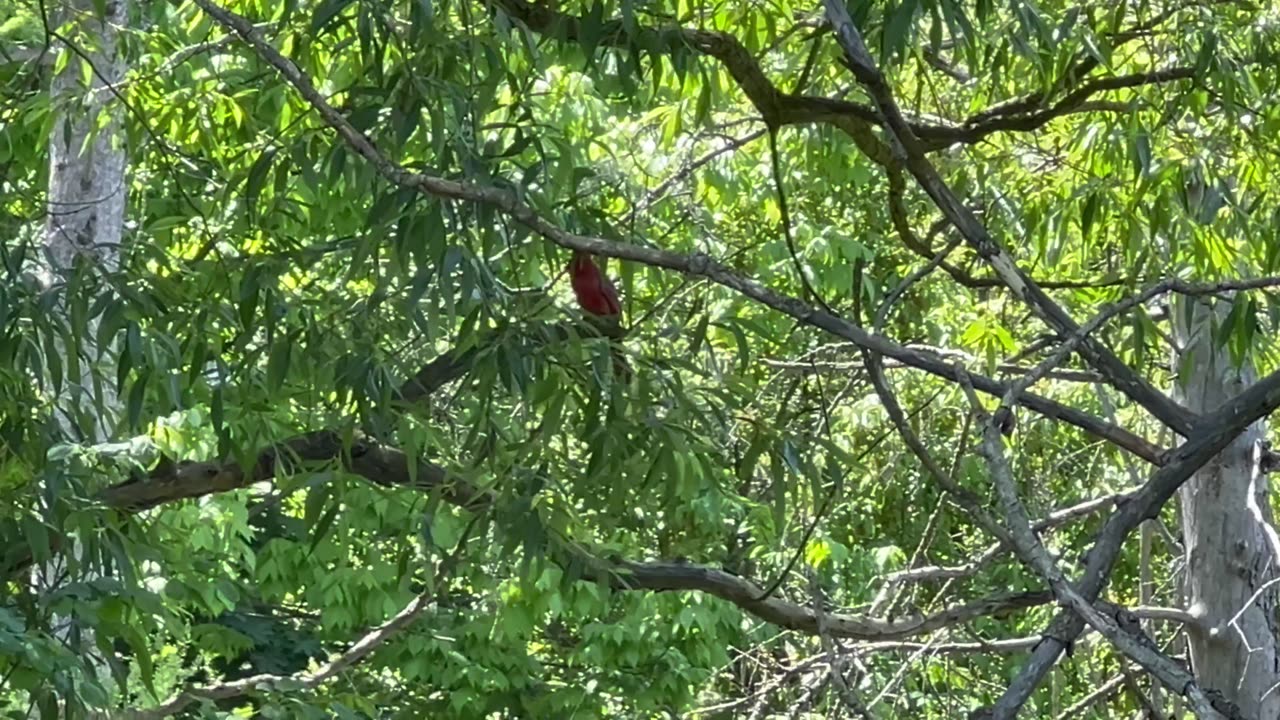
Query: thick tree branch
{"points": [[1075, 99], [1213, 433], [1027, 545], [389, 467], [380, 464]]}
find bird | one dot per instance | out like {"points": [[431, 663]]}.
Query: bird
{"points": [[598, 298]]}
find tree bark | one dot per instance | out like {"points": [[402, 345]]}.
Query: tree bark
{"points": [[1228, 530], [86, 197], [84, 229]]}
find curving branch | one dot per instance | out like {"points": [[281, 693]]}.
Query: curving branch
{"points": [[388, 466], [1117, 625], [779, 108]]}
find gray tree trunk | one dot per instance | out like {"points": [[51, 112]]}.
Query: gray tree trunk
{"points": [[86, 184], [85, 220], [1228, 530]]}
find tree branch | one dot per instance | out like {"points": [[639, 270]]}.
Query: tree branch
{"points": [[1050, 521], [780, 108], [1129, 639], [389, 467], [1210, 436], [909, 150]]}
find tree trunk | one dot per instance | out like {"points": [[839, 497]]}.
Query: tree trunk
{"points": [[1228, 531], [85, 224], [86, 186]]}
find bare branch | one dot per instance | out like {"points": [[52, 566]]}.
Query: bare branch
{"points": [[1106, 690], [1009, 646], [835, 659], [1117, 626], [1052, 520]]}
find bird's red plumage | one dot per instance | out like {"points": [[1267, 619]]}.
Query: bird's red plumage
{"points": [[595, 293], [599, 299]]}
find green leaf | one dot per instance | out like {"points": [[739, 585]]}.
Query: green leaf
{"points": [[324, 522], [141, 655], [257, 176], [899, 29], [1092, 201], [53, 359], [326, 12], [250, 289], [1208, 51], [591, 28], [699, 334], [278, 362], [1141, 152], [137, 394], [36, 536]]}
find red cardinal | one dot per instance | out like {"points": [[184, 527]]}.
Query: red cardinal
{"points": [[599, 299], [595, 292]]}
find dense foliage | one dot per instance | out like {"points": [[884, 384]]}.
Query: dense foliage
{"points": [[275, 282]]}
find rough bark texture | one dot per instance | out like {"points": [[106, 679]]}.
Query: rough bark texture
{"points": [[87, 187], [86, 201], [1227, 527], [87, 184]]}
